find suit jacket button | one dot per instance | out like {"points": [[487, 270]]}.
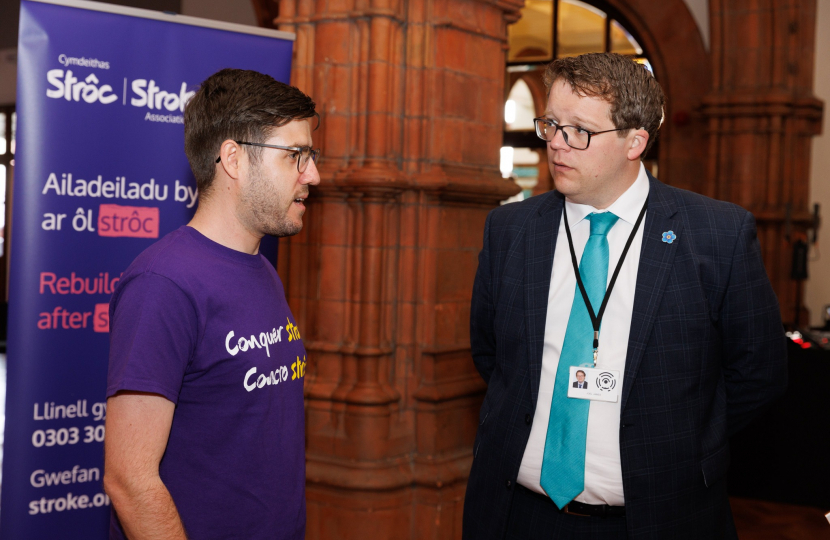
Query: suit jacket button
{"points": [[528, 419], [509, 483]]}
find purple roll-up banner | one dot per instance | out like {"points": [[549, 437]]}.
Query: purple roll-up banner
{"points": [[100, 175]]}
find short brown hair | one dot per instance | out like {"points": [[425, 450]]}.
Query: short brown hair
{"points": [[636, 99], [239, 105]]}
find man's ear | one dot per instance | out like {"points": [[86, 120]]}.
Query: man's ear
{"points": [[637, 146], [229, 158]]}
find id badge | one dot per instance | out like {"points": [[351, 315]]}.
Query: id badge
{"points": [[594, 384]]}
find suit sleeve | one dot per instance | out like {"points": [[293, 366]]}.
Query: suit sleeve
{"points": [[482, 312], [755, 354]]}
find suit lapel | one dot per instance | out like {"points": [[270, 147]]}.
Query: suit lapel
{"points": [[540, 243], [656, 258]]}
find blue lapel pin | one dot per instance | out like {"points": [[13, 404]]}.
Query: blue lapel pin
{"points": [[669, 237]]}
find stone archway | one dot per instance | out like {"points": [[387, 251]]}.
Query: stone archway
{"points": [[534, 84], [674, 46], [538, 93], [669, 34]]}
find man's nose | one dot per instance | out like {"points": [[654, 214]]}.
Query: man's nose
{"points": [[558, 140], [310, 175]]}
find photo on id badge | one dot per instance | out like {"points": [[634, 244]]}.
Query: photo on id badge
{"points": [[594, 384]]}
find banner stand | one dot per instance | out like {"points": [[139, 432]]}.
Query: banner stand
{"points": [[100, 175]]}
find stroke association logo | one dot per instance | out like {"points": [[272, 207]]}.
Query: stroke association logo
{"points": [[146, 93], [606, 381]]}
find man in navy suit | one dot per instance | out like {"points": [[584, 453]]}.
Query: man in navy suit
{"points": [[684, 332]]}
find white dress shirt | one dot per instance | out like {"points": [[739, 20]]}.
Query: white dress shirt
{"points": [[603, 473]]}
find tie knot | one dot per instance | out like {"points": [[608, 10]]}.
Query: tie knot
{"points": [[602, 223]]}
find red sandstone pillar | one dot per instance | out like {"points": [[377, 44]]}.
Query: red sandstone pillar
{"points": [[762, 116], [411, 98]]}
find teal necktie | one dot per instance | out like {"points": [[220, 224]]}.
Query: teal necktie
{"points": [[563, 464]]}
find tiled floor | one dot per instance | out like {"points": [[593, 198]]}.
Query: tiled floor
{"points": [[762, 520]]}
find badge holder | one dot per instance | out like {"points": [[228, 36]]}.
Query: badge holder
{"points": [[594, 384]]}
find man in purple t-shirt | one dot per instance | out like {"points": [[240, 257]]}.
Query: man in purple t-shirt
{"points": [[205, 423]]}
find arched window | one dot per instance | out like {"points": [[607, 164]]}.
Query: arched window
{"points": [[551, 29]]}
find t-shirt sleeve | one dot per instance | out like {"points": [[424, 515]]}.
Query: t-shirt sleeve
{"points": [[153, 333]]}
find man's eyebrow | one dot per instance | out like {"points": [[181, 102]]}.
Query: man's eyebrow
{"points": [[584, 121], [576, 119]]}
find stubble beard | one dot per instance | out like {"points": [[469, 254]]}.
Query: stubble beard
{"points": [[266, 209]]}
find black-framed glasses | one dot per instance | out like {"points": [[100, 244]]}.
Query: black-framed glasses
{"points": [[576, 137], [305, 153]]}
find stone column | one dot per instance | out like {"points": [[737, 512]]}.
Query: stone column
{"points": [[411, 99], [762, 115]]}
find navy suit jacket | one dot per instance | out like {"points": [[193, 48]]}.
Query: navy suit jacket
{"points": [[706, 352]]}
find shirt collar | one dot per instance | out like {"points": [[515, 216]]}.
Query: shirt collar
{"points": [[627, 207]]}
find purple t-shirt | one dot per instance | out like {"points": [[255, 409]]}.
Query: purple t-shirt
{"points": [[209, 328]]}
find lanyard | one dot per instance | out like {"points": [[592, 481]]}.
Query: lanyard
{"points": [[596, 319]]}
